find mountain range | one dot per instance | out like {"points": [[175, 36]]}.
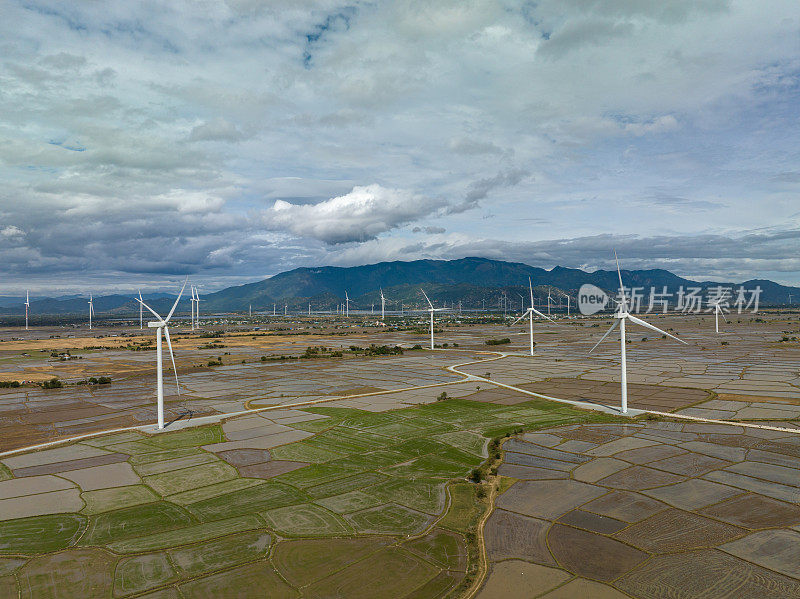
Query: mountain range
{"points": [[476, 282]]}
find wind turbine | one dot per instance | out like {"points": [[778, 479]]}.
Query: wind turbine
{"points": [[431, 309], [91, 311], [529, 313], [27, 307], [347, 305], [161, 326], [717, 313], [548, 301], [191, 303], [621, 316], [383, 305], [140, 310]]}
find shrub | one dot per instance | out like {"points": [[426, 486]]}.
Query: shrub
{"points": [[53, 383], [502, 341], [442, 396]]}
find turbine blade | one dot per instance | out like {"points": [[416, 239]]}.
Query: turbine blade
{"points": [[524, 314], [427, 298], [608, 332], [621, 286], [172, 357], [530, 284], [149, 308], [175, 305], [642, 323], [535, 311]]}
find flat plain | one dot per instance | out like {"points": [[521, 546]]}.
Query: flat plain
{"points": [[307, 475]]}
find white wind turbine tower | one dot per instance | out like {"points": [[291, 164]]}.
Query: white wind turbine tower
{"points": [[191, 303], [529, 313], [548, 301], [27, 307], [718, 311], [621, 315], [161, 326], [141, 326], [91, 311], [383, 305], [431, 310], [347, 305], [195, 302]]}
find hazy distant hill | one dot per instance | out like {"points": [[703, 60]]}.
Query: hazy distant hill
{"points": [[472, 281]]}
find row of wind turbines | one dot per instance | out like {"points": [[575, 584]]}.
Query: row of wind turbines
{"points": [[161, 325], [621, 316]]}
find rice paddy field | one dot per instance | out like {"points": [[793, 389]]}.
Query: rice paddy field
{"points": [[449, 473]]}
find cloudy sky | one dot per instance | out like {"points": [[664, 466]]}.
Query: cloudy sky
{"points": [[143, 141]]}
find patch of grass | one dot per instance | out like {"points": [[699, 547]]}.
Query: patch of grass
{"points": [[444, 548], [104, 500], [251, 581], [303, 452], [40, 534], [195, 477], [465, 440], [437, 587], [424, 495], [370, 460], [306, 519], [113, 438], [464, 508], [389, 519], [190, 437], [428, 466], [344, 441], [165, 454], [74, 573], [141, 573], [347, 503], [386, 574], [221, 553], [342, 485], [5, 473], [228, 486], [315, 474], [134, 521], [253, 499], [303, 562], [188, 535]]}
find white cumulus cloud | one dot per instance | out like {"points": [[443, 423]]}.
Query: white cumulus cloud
{"points": [[362, 214]]}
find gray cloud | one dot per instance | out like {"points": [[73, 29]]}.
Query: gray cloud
{"points": [[149, 139]]}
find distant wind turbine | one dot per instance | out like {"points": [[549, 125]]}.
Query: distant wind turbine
{"points": [[27, 308], [621, 316], [383, 305], [140, 310], [718, 311], [161, 326], [91, 311], [529, 313], [347, 304], [548, 301], [431, 310]]}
